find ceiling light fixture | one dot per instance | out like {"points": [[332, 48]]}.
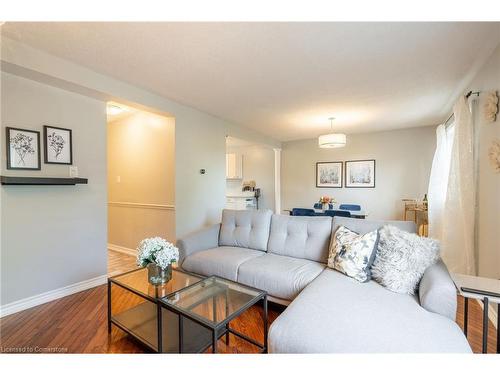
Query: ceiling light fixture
{"points": [[114, 110], [332, 140]]}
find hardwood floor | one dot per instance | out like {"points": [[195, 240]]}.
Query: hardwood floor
{"points": [[119, 263], [78, 324], [475, 326]]}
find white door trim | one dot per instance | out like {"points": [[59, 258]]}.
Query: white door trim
{"points": [[142, 205], [277, 180]]}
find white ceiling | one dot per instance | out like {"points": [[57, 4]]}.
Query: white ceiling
{"points": [[284, 79], [232, 142]]}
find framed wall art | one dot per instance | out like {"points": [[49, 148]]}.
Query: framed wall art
{"points": [[360, 173], [23, 149], [329, 174], [58, 145]]}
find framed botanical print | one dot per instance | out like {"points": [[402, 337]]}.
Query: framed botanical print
{"points": [[58, 145], [329, 174], [23, 149], [360, 173]]}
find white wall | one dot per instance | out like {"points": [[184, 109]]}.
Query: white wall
{"points": [[403, 163], [53, 236], [200, 137], [258, 165], [488, 79]]}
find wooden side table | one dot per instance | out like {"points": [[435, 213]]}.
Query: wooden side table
{"points": [[420, 217], [482, 288]]}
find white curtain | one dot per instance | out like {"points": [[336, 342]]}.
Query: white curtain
{"points": [[438, 182], [452, 191]]}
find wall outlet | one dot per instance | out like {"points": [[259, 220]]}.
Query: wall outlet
{"points": [[118, 179], [73, 171]]}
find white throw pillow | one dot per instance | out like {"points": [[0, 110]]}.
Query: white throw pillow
{"points": [[352, 253], [402, 259]]}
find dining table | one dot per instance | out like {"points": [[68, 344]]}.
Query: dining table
{"points": [[359, 214]]}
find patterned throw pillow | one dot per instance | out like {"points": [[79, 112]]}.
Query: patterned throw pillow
{"points": [[352, 253]]}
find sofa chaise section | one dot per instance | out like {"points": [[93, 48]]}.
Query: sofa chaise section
{"points": [[337, 314], [436, 290]]}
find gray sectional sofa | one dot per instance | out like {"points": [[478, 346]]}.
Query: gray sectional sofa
{"points": [[327, 311]]}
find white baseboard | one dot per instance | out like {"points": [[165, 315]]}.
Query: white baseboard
{"points": [[122, 249], [26, 303]]}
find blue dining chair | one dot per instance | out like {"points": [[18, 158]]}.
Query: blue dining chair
{"points": [[303, 212], [333, 213], [319, 206], [350, 207]]}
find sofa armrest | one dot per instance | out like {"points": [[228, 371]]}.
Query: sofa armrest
{"points": [[206, 238], [437, 291]]}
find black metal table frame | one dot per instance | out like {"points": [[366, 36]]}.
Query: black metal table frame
{"points": [[222, 328], [216, 329], [155, 300], [485, 321]]}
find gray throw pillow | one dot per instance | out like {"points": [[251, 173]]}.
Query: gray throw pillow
{"points": [[402, 259], [352, 253]]}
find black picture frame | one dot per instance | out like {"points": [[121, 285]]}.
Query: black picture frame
{"points": [[341, 175], [10, 157], [367, 186], [46, 145]]}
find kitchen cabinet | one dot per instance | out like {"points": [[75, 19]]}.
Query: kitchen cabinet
{"points": [[241, 203], [234, 166]]}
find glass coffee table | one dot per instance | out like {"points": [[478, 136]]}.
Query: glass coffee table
{"points": [[211, 304], [133, 304], [188, 314]]}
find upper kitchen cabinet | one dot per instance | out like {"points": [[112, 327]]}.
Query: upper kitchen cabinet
{"points": [[234, 166]]}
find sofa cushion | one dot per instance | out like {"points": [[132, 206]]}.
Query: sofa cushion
{"points": [[336, 314], [282, 277], [220, 261], [402, 259], [245, 228], [352, 253], [300, 236]]}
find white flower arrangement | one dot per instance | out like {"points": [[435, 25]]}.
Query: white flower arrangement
{"points": [[158, 251]]}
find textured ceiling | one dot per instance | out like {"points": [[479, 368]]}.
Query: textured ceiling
{"points": [[284, 79]]}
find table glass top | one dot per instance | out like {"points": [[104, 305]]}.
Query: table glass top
{"points": [[213, 299], [138, 281]]}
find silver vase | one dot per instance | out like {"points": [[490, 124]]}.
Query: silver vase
{"points": [[158, 275]]}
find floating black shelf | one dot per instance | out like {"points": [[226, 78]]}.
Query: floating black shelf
{"points": [[16, 180]]}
